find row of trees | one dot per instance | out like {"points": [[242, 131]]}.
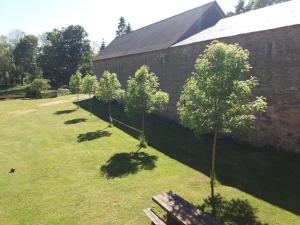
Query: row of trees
{"points": [[56, 55], [242, 6], [142, 95], [216, 99]]}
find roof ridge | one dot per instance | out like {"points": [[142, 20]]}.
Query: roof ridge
{"points": [[211, 2]]}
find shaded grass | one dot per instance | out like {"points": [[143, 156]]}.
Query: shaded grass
{"points": [[75, 121], [68, 111], [266, 173], [57, 179], [12, 92], [123, 164], [89, 136]]}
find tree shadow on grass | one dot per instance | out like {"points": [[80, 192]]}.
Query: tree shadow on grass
{"points": [[232, 212], [124, 164], [265, 173], [75, 121], [68, 111], [89, 136]]}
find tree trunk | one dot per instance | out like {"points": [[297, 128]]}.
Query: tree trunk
{"points": [[143, 123], [90, 104], [77, 100], [109, 113], [212, 173]]}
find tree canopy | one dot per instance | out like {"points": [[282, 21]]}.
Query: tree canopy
{"points": [[217, 98], [109, 89], [123, 28], [75, 84], [143, 94], [242, 7], [24, 55], [89, 86], [102, 46], [7, 66], [65, 51]]}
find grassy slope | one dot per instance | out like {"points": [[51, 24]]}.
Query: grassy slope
{"points": [[59, 180]]}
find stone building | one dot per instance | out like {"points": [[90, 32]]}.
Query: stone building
{"points": [[170, 48]]}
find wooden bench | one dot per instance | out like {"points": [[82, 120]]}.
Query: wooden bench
{"points": [[155, 219], [179, 211]]}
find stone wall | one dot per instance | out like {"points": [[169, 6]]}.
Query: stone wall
{"points": [[275, 58]]}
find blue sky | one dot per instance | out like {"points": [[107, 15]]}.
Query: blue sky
{"points": [[99, 18]]}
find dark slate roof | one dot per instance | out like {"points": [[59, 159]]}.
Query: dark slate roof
{"points": [[165, 33], [271, 17]]}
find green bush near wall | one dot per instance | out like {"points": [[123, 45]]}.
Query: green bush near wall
{"points": [[42, 94]]}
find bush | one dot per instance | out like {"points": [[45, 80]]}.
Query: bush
{"points": [[37, 87]]}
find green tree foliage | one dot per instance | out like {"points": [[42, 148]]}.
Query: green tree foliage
{"points": [[37, 86], [75, 84], [89, 86], [24, 55], [15, 36], [217, 97], [256, 4], [242, 7], [102, 46], [122, 27], [143, 94], [128, 28], [7, 66], [109, 90], [64, 52]]}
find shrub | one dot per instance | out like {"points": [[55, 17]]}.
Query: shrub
{"points": [[37, 86]]}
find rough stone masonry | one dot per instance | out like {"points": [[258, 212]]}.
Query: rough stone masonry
{"points": [[275, 58]]}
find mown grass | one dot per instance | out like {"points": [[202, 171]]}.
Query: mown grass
{"points": [[72, 169], [12, 92]]}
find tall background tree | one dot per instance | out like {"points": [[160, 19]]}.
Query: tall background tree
{"points": [[102, 46], [7, 66], [24, 55], [143, 95], [123, 28], [242, 7], [109, 89], [217, 97], [64, 52]]}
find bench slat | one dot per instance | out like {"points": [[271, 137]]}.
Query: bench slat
{"points": [[182, 211], [153, 217]]}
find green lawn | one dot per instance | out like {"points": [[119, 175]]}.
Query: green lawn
{"points": [[72, 169]]}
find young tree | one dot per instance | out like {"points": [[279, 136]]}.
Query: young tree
{"points": [[75, 84], [217, 97], [109, 90], [89, 86], [143, 94]]}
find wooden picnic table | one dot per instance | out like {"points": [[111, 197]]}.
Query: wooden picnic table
{"points": [[181, 212]]}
